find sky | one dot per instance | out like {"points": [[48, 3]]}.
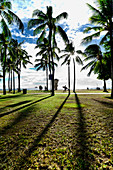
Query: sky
{"points": [[78, 15]]}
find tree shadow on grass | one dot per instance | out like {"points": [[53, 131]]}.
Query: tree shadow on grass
{"points": [[20, 116], [81, 154], [108, 104], [33, 147], [15, 105], [22, 107], [10, 96]]}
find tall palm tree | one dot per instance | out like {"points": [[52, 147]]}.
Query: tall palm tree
{"points": [[68, 52], [45, 22], [20, 56], [7, 17], [4, 41], [94, 55], [102, 17]]}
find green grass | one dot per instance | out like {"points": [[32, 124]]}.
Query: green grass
{"points": [[42, 132]]}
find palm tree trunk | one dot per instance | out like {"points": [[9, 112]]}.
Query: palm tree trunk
{"points": [[74, 76], [19, 67], [69, 76], [4, 67], [105, 90], [111, 44], [47, 77], [51, 54], [13, 83], [11, 80]]}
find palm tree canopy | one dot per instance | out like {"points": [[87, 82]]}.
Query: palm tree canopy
{"points": [[8, 17], [68, 51], [45, 21], [93, 54], [102, 18]]}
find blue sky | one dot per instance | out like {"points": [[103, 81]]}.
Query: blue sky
{"points": [[78, 14]]}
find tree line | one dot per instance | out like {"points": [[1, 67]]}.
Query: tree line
{"points": [[47, 27]]}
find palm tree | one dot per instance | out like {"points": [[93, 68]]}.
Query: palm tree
{"points": [[45, 22], [45, 53], [4, 41], [20, 56], [68, 52], [93, 54], [102, 18], [44, 64], [7, 17]]}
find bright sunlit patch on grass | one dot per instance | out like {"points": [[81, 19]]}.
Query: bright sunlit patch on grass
{"points": [[73, 105]]}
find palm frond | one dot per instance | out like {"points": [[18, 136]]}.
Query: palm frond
{"points": [[64, 55], [91, 70], [91, 57], [5, 28], [90, 37], [39, 29], [6, 4], [39, 14], [56, 56], [104, 38], [41, 37], [17, 20], [34, 22], [95, 28], [61, 16], [88, 65], [78, 60], [66, 59], [63, 34], [7, 17], [95, 10]]}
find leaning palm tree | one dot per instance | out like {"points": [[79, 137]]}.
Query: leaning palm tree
{"points": [[94, 55], [102, 18], [45, 22]]}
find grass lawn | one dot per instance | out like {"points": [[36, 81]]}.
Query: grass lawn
{"points": [[63, 132]]}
